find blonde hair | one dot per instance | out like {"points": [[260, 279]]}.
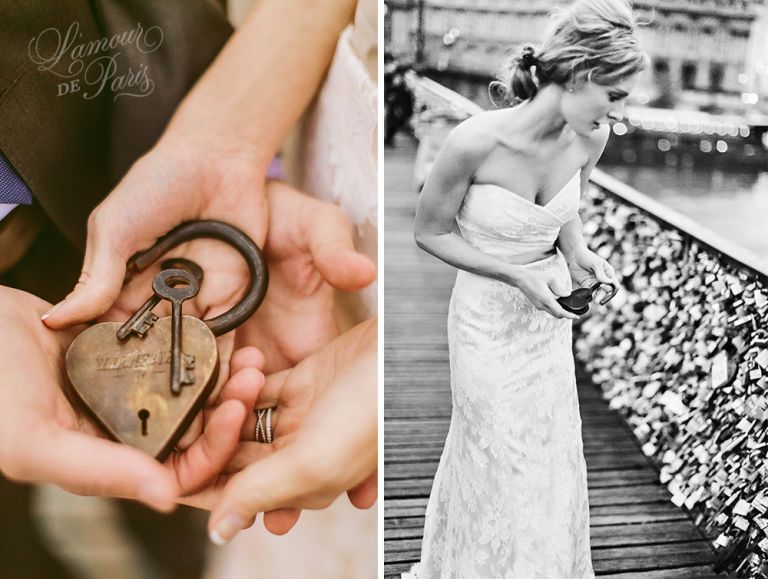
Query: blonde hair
{"points": [[591, 39]]}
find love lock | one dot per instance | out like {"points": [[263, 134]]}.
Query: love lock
{"points": [[145, 380], [578, 301]]}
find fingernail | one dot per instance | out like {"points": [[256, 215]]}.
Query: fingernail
{"points": [[50, 312], [153, 494], [226, 529]]}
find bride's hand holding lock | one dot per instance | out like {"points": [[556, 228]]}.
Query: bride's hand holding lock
{"points": [[542, 288], [586, 268], [324, 431], [309, 251]]}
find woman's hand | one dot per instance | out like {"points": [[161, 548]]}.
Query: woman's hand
{"points": [[44, 439], [542, 288], [587, 268], [325, 433], [309, 252]]}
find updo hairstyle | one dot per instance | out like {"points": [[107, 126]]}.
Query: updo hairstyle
{"points": [[590, 38]]}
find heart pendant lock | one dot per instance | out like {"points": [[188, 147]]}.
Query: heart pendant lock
{"points": [[145, 380], [579, 300]]}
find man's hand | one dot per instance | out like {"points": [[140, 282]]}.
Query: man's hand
{"points": [[43, 438], [175, 182], [325, 433]]}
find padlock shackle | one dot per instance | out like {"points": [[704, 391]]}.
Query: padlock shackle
{"points": [[609, 297], [257, 269]]}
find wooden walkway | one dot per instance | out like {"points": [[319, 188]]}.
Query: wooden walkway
{"points": [[635, 530]]}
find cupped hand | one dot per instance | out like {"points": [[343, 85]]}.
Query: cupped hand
{"points": [[45, 439], [325, 433], [309, 252], [177, 181]]}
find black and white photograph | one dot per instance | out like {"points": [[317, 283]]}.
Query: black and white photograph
{"points": [[575, 289]]}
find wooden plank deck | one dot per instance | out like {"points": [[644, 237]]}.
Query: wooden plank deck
{"points": [[636, 532]]}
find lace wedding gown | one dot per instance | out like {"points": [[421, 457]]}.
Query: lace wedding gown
{"points": [[510, 495]]}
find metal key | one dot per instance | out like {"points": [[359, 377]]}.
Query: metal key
{"points": [[144, 318], [177, 286], [141, 321]]}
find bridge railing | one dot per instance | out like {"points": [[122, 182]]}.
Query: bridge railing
{"points": [[681, 352]]}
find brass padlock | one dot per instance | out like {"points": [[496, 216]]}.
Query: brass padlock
{"points": [[145, 380]]}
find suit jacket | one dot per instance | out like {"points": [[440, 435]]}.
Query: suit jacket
{"points": [[87, 86]]}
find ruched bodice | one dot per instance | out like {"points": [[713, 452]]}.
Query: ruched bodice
{"points": [[503, 224]]}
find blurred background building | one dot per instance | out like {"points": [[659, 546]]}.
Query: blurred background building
{"points": [[709, 55]]}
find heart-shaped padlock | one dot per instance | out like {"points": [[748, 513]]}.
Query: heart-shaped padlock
{"points": [[145, 380], [579, 299]]}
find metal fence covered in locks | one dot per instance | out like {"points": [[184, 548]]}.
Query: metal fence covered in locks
{"points": [[682, 354]]}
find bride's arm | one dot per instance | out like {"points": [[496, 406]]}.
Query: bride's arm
{"points": [[584, 264], [436, 230], [437, 233]]}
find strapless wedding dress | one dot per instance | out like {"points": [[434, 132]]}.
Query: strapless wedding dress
{"points": [[509, 498]]}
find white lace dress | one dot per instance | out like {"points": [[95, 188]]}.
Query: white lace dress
{"points": [[338, 160], [510, 495]]}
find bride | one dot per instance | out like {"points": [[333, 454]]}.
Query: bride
{"points": [[501, 204]]}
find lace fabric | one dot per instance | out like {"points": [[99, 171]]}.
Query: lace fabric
{"points": [[509, 498], [340, 153], [501, 223]]}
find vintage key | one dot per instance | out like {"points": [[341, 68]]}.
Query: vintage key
{"points": [[144, 318], [176, 286], [132, 386]]}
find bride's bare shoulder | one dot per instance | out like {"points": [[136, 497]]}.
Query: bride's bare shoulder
{"points": [[475, 137]]}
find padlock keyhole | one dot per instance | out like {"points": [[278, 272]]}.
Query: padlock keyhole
{"points": [[144, 417]]}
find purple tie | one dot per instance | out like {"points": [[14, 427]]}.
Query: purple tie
{"points": [[13, 190]]}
